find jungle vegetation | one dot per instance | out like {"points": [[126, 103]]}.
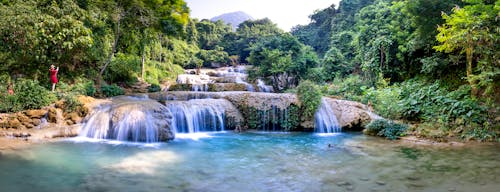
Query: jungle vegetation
{"points": [[431, 63]]}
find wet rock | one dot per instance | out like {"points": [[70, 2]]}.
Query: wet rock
{"points": [[342, 183], [23, 118], [413, 178], [52, 115], [350, 187], [39, 113], [351, 114], [364, 179], [415, 185], [74, 117], [380, 182], [36, 122], [69, 122], [14, 123], [28, 125]]}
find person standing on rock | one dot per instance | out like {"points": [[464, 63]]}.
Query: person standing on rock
{"points": [[53, 76]]}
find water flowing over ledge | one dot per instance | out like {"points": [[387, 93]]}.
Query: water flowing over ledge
{"points": [[129, 119], [159, 116]]}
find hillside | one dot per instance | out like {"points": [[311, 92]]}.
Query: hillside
{"points": [[234, 18]]}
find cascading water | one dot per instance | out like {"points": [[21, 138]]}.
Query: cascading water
{"points": [[199, 115], [129, 119], [248, 85], [263, 87], [199, 87], [325, 119]]}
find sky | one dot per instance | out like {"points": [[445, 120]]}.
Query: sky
{"points": [[285, 13]]}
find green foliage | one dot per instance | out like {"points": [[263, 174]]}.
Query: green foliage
{"points": [[218, 55], [71, 102], [28, 94], [283, 59], [154, 88], [351, 87], [430, 102], [386, 128], [273, 119], [316, 74], [309, 95], [89, 88], [123, 68], [111, 90], [473, 30]]}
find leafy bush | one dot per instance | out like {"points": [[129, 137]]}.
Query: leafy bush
{"points": [[123, 68], [316, 74], [309, 95], [28, 94], [71, 102], [90, 88], [385, 128], [431, 102], [154, 88], [351, 87], [111, 90]]}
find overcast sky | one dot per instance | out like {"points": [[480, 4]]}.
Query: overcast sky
{"points": [[286, 13]]}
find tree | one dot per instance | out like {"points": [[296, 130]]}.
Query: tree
{"points": [[283, 59], [472, 30]]}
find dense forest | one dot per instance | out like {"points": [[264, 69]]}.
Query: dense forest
{"points": [[434, 64]]}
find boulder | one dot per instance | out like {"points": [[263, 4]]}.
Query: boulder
{"points": [[74, 117], [38, 113], [351, 114], [14, 123], [36, 122], [131, 119]]}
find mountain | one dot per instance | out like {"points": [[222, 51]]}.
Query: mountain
{"points": [[234, 18]]}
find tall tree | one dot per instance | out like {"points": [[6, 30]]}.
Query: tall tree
{"points": [[473, 30]]}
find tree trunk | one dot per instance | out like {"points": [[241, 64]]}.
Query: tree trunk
{"points": [[113, 50], [469, 53], [469, 56], [142, 63]]}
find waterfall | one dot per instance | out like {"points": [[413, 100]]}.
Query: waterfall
{"points": [[199, 87], [199, 115], [325, 119], [248, 85], [129, 119], [263, 87]]}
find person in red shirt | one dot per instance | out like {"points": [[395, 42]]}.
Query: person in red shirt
{"points": [[10, 89], [53, 76]]}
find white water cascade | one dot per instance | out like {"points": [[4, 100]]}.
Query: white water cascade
{"points": [[325, 119], [199, 115], [129, 119], [263, 87]]}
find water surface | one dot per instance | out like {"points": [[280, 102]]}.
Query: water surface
{"points": [[256, 161]]}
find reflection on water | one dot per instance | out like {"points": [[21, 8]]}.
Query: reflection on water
{"points": [[252, 162]]}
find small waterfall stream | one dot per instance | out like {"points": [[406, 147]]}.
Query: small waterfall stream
{"points": [[129, 119], [199, 115], [325, 120]]}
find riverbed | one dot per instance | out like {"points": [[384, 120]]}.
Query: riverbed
{"points": [[252, 161]]}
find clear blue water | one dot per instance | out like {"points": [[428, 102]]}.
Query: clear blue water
{"points": [[252, 162]]}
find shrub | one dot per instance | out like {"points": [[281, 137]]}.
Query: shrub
{"points": [[350, 88], [386, 128], [309, 95], [316, 74], [123, 68], [111, 90], [71, 103], [90, 88], [28, 94], [154, 88]]}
